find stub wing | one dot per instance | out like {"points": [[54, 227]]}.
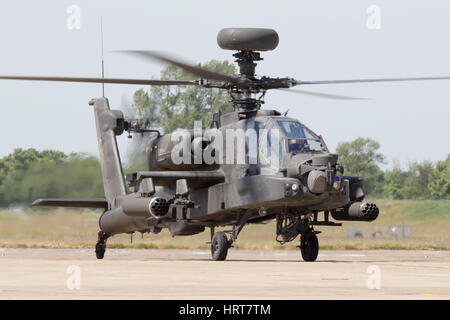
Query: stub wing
{"points": [[73, 203]]}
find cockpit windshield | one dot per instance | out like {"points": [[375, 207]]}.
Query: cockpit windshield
{"points": [[299, 138]]}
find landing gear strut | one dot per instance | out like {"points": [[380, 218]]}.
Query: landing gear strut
{"points": [[289, 226], [100, 247], [220, 242]]}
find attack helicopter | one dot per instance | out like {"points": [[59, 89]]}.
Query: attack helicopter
{"points": [[301, 186]]}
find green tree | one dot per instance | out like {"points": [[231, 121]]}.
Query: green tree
{"points": [[417, 180], [361, 158], [439, 183], [393, 181], [79, 176], [13, 166], [143, 106], [21, 159], [172, 107], [26, 175]]}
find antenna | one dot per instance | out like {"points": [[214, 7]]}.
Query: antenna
{"points": [[103, 62]]}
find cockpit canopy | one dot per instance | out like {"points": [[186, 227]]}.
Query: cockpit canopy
{"points": [[277, 138], [299, 138]]}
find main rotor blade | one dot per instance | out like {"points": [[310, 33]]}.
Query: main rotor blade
{"points": [[103, 80], [299, 82], [200, 72], [323, 95]]}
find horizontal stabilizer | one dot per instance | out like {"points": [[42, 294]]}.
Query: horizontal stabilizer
{"points": [[74, 203]]}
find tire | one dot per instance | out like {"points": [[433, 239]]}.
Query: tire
{"points": [[219, 246], [100, 249], [309, 246]]}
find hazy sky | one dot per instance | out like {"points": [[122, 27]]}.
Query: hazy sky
{"points": [[319, 40]]}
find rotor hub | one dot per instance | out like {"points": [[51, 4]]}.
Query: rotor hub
{"points": [[245, 60]]}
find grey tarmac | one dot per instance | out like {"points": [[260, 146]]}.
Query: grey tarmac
{"points": [[246, 274]]}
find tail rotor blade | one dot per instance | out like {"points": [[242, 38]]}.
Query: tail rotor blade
{"points": [[125, 107]]}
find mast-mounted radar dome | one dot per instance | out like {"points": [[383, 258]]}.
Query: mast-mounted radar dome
{"points": [[247, 39]]}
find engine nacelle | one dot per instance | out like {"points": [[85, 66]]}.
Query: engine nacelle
{"points": [[179, 151]]}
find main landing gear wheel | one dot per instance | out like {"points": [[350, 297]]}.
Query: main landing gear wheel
{"points": [[100, 247], [309, 246], [219, 246]]}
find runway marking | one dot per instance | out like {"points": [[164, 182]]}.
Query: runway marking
{"points": [[201, 253], [341, 255], [419, 266], [351, 255]]}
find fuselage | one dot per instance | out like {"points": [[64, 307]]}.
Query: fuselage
{"points": [[260, 176]]}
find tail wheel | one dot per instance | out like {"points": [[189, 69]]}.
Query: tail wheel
{"points": [[309, 246], [219, 246], [100, 249]]}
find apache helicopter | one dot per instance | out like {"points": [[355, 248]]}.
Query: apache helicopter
{"points": [[186, 198]]}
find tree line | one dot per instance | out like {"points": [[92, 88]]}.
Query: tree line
{"points": [[421, 180], [26, 175]]}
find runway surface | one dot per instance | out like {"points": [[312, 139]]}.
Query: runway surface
{"points": [[247, 274]]}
